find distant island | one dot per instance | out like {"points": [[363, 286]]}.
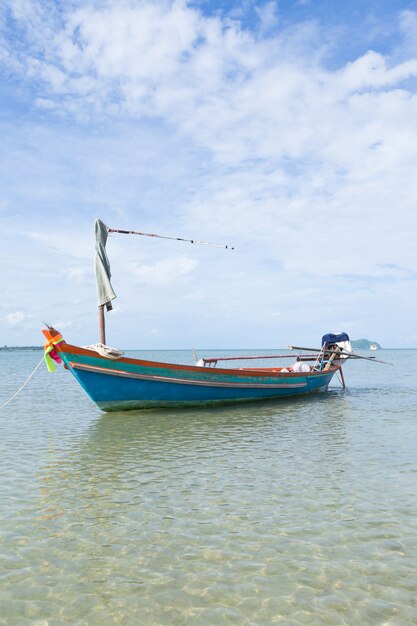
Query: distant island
{"points": [[365, 344]]}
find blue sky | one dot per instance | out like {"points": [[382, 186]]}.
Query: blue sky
{"points": [[285, 129]]}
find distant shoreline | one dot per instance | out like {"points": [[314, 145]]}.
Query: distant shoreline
{"points": [[14, 348], [39, 348]]}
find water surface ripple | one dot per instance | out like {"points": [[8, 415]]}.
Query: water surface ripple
{"points": [[295, 512]]}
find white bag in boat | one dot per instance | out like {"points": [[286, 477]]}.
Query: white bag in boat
{"points": [[299, 366]]}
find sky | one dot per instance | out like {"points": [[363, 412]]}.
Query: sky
{"points": [[287, 130]]}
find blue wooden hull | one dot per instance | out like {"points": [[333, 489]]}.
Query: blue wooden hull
{"points": [[134, 384]]}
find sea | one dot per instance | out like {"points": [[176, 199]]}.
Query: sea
{"points": [[292, 512]]}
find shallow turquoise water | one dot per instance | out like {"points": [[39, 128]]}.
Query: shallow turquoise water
{"points": [[297, 512]]}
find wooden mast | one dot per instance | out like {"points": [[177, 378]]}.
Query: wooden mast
{"points": [[102, 324]]}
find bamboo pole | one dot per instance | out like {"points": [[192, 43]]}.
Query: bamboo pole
{"points": [[137, 232], [345, 353], [306, 357], [342, 377]]}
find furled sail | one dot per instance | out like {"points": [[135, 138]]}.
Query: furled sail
{"points": [[105, 293]]}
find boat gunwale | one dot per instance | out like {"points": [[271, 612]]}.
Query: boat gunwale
{"points": [[69, 349], [94, 369]]}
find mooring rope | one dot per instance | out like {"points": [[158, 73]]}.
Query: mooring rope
{"points": [[24, 384]]}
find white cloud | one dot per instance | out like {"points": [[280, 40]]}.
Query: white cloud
{"points": [[268, 15], [240, 96], [79, 274], [408, 25], [63, 324], [17, 317], [307, 168], [78, 246], [164, 271]]}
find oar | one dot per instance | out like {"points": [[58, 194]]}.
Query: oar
{"points": [[343, 352], [201, 243]]}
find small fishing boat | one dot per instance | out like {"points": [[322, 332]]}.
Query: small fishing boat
{"points": [[116, 382], [123, 383]]}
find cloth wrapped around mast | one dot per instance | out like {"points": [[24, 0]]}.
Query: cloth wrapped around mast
{"points": [[105, 293]]}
